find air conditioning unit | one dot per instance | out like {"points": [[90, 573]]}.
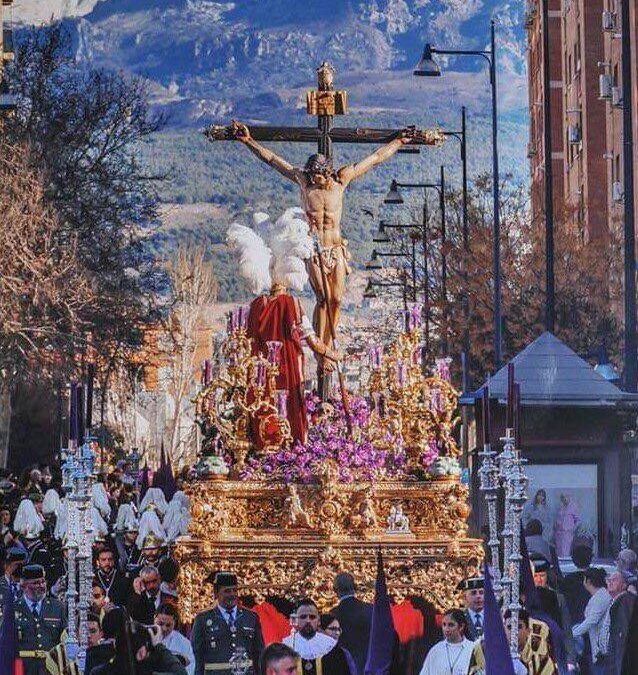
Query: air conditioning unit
{"points": [[605, 87], [609, 21], [616, 96], [617, 192], [573, 134]]}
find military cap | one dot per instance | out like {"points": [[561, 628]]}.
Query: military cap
{"points": [[471, 584], [15, 554], [540, 563], [32, 573], [221, 579]]}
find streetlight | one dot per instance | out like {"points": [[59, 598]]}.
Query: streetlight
{"points": [[427, 67], [393, 197]]}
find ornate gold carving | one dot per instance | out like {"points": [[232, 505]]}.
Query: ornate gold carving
{"points": [[248, 527]]}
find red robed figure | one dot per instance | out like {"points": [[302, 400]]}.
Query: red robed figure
{"points": [[278, 317]]}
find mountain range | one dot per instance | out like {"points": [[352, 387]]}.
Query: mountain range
{"points": [[209, 62]]}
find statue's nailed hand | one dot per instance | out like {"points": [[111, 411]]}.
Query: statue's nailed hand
{"points": [[239, 131], [408, 134], [334, 355]]}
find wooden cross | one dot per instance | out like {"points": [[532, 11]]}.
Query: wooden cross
{"points": [[325, 103]]}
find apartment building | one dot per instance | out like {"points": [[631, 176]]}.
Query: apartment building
{"points": [[586, 111]]}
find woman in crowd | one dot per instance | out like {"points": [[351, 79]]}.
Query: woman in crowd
{"points": [[452, 655]]}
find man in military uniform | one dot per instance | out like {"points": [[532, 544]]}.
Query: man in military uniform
{"points": [[473, 593], [226, 634], [40, 620], [15, 557]]}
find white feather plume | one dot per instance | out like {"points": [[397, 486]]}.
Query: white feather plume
{"points": [[273, 252], [254, 256]]}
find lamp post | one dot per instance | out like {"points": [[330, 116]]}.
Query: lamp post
{"points": [[427, 67], [631, 346], [374, 265], [394, 197]]}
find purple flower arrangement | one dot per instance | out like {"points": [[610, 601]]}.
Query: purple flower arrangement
{"points": [[357, 456]]}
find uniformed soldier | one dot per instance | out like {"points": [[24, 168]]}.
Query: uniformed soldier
{"points": [[226, 634], [473, 593], [40, 620], [15, 557]]}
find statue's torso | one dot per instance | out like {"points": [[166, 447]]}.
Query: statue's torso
{"points": [[323, 206]]}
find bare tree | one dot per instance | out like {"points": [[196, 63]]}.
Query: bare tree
{"points": [[44, 293], [194, 292]]}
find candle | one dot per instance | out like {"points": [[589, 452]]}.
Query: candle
{"points": [[243, 318], [282, 402], [89, 396], [274, 352], [376, 354], [73, 413], [414, 317], [509, 420], [402, 373], [231, 322], [261, 374], [486, 415], [81, 418], [436, 401], [517, 415]]}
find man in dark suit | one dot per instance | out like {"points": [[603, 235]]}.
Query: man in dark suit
{"points": [[40, 620], [473, 592], [226, 634], [113, 582], [146, 596], [355, 617]]}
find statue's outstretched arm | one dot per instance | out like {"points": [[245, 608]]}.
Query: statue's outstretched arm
{"points": [[242, 134], [352, 171]]}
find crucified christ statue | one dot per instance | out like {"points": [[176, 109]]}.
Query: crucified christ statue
{"points": [[322, 189]]}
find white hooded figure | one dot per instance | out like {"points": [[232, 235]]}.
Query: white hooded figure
{"points": [[100, 528], [27, 522], [149, 525], [101, 500], [59, 531], [154, 498], [177, 517], [51, 503], [126, 519]]}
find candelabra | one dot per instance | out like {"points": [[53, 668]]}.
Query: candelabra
{"points": [[244, 392], [422, 409], [504, 462], [505, 470], [489, 477], [78, 473], [515, 488]]}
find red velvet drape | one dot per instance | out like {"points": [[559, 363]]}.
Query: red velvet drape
{"points": [[274, 625], [408, 622], [275, 318]]}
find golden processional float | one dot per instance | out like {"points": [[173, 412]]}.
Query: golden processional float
{"points": [[288, 518]]}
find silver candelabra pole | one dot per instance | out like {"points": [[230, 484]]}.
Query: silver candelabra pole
{"points": [[504, 465], [78, 470], [515, 496], [488, 474]]}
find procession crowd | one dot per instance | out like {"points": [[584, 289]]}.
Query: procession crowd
{"points": [[571, 622]]}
